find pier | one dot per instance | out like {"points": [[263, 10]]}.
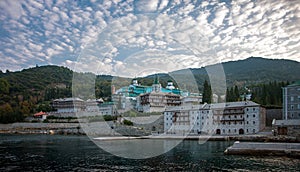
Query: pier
{"points": [[261, 149]]}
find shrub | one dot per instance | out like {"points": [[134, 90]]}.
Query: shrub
{"points": [[127, 122]]}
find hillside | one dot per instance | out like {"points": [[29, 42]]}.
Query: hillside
{"points": [[30, 90], [255, 70]]}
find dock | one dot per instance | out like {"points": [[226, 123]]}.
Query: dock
{"points": [[264, 148]]}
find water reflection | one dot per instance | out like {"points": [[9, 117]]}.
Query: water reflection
{"points": [[78, 153]]}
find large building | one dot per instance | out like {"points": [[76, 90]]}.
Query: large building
{"points": [[157, 101], [72, 107], [291, 101], [231, 118], [153, 98]]}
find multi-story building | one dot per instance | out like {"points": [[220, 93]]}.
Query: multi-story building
{"points": [[215, 119], [158, 101], [68, 105], [72, 107], [291, 101]]}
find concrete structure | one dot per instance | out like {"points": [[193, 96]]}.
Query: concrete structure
{"points": [[256, 148], [291, 101], [157, 101], [68, 105], [72, 107], [287, 127], [215, 119]]}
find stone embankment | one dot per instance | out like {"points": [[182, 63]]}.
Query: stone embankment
{"points": [[262, 148], [41, 128]]}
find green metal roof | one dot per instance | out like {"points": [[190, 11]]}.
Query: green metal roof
{"points": [[297, 83]]}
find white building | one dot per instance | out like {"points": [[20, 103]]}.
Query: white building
{"points": [[215, 119]]}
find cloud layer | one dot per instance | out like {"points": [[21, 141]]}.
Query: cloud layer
{"points": [[131, 38]]}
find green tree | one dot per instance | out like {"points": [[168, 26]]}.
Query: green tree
{"points": [[4, 86], [207, 93]]}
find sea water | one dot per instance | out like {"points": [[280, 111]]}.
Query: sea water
{"points": [[79, 153]]}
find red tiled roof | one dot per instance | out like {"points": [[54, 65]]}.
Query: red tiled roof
{"points": [[40, 113]]}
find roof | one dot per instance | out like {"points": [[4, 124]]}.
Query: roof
{"points": [[40, 114], [231, 105], [297, 83], [69, 99], [290, 122]]}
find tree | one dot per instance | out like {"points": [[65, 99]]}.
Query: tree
{"points": [[4, 86], [207, 93], [236, 93]]}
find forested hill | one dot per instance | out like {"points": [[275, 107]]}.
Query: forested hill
{"points": [[38, 78], [25, 92], [255, 70]]}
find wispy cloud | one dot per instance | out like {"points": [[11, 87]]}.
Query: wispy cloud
{"points": [[145, 35]]}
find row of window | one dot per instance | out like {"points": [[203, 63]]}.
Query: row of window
{"points": [[214, 123], [216, 118], [292, 107], [229, 131]]}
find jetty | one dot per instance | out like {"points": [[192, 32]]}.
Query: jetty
{"points": [[264, 148]]}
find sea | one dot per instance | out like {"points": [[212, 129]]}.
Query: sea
{"points": [[80, 153]]}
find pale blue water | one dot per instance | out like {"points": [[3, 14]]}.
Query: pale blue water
{"points": [[78, 153]]}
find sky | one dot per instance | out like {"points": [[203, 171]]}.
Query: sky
{"points": [[141, 37]]}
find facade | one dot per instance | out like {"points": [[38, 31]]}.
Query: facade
{"points": [[153, 98], [68, 105], [291, 101], [232, 118], [157, 101], [72, 107]]}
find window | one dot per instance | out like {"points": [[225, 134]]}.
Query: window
{"points": [[298, 106], [247, 116], [223, 130], [247, 130], [228, 130], [253, 122], [253, 130], [247, 109], [247, 122], [292, 107], [235, 130], [167, 119], [253, 109], [253, 115], [292, 99]]}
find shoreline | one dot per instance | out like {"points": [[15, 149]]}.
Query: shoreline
{"points": [[76, 129]]}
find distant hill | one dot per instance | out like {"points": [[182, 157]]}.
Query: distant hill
{"points": [[253, 70]]}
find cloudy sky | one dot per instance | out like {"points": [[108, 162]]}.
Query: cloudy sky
{"points": [[138, 37]]}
